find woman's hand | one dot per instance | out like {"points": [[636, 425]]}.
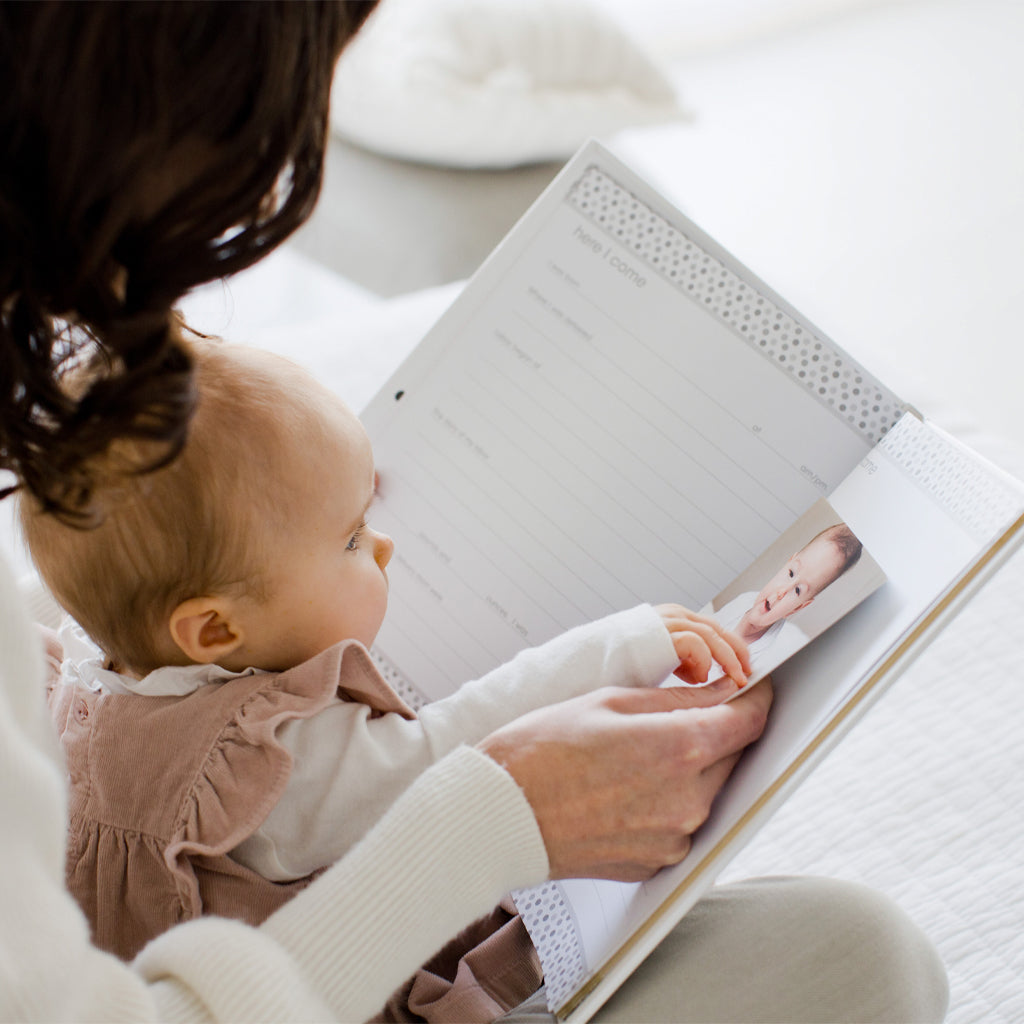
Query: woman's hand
{"points": [[620, 779], [700, 641]]}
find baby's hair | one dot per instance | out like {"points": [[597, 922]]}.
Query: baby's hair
{"points": [[846, 543], [182, 531]]}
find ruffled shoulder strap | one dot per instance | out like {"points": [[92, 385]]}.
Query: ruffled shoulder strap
{"points": [[247, 769], [358, 679]]}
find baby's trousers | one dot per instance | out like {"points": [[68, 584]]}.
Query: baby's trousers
{"points": [[781, 950]]}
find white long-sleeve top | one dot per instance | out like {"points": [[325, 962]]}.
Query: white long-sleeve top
{"points": [[349, 765], [335, 952]]}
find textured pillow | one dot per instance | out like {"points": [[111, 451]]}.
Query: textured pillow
{"points": [[493, 83]]}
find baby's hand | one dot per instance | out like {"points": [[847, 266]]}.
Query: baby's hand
{"points": [[700, 641]]}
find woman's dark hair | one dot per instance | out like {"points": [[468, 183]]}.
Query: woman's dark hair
{"points": [[145, 147]]}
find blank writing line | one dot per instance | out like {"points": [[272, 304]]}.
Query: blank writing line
{"points": [[558, 482], [660, 356], [597, 432], [476, 552], [423, 654], [488, 501], [671, 412]]}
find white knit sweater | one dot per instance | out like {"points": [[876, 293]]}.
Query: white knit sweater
{"points": [[336, 952]]}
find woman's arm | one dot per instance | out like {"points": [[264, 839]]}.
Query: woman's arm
{"points": [[617, 781], [339, 948], [349, 767], [362, 928]]}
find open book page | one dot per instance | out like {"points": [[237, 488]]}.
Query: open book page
{"points": [[612, 412], [929, 513]]}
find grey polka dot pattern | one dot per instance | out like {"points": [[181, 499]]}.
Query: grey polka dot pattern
{"points": [[544, 909], [826, 372], [552, 926], [963, 487], [415, 698]]}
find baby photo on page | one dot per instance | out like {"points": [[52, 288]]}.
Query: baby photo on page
{"points": [[804, 582]]}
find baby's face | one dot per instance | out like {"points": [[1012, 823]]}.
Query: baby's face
{"points": [[806, 574], [326, 575]]}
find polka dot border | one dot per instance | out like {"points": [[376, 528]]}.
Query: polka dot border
{"points": [[823, 370], [963, 487], [552, 925], [415, 698]]}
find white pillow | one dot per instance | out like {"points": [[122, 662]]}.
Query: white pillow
{"points": [[493, 83]]}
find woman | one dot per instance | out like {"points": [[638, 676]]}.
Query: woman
{"points": [[148, 147]]}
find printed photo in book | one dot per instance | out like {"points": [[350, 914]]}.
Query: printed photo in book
{"points": [[804, 582]]}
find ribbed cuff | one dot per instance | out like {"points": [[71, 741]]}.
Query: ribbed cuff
{"points": [[456, 841], [450, 848]]}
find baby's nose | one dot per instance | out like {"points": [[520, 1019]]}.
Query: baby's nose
{"points": [[383, 549]]}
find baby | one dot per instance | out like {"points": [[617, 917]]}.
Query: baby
{"points": [[230, 735], [762, 620]]}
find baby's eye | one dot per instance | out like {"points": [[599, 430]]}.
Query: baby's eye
{"points": [[797, 590], [353, 541], [791, 574]]}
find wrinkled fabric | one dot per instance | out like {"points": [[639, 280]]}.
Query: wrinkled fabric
{"points": [[485, 971], [163, 788]]}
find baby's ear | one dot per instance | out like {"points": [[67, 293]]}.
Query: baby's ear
{"points": [[203, 630]]}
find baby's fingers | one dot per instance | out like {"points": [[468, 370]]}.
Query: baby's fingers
{"points": [[722, 646], [695, 658], [702, 644], [731, 653]]}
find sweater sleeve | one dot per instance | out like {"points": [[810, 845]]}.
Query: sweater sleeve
{"points": [[363, 927], [349, 767], [336, 951]]}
